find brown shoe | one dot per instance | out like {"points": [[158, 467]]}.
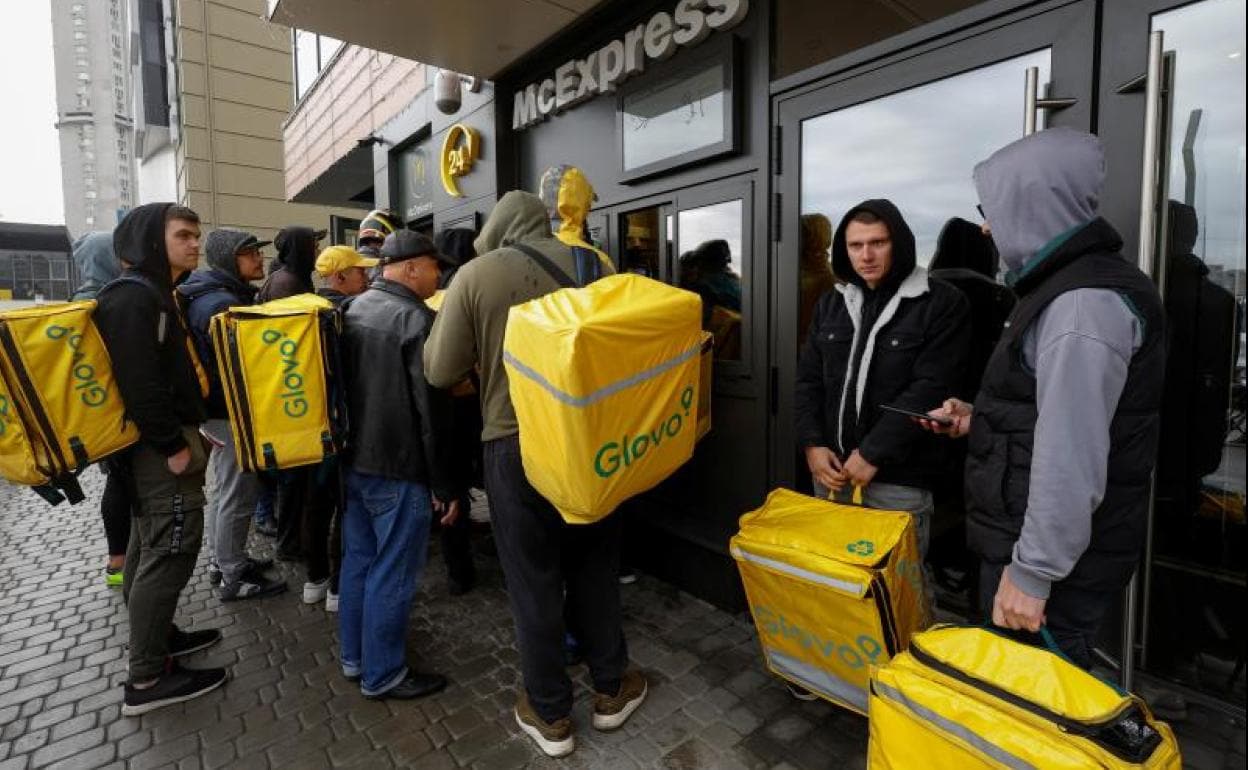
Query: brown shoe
{"points": [[553, 738], [612, 711]]}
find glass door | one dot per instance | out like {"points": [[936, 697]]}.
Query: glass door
{"points": [[1174, 115], [909, 129]]}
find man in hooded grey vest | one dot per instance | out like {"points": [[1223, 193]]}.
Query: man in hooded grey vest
{"points": [[1064, 430]]}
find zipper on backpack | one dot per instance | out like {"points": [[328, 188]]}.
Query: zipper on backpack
{"points": [[1092, 731]]}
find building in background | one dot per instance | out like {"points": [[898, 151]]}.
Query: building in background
{"points": [[35, 263], [233, 86], [90, 40]]}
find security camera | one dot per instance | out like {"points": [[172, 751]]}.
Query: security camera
{"points": [[447, 90]]}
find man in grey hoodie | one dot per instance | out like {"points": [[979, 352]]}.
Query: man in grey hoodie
{"points": [[1064, 430]]}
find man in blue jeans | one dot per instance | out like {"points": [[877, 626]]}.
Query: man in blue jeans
{"points": [[398, 455]]}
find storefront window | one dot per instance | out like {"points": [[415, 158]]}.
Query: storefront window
{"points": [[641, 243], [710, 264], [810, 32]]}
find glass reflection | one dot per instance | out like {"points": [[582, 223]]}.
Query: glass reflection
{"points": [[710, 239], [916, 147], [1200, 552], [641, 243]]}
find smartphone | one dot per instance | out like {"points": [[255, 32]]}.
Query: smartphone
{"points": [[945, 421]]}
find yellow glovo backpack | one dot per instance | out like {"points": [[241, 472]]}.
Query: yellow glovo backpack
{"points": [[834, 589], [966, 698], [280, 372], [60, 409], [605, 381]]}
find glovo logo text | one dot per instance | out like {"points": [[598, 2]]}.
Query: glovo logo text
{"points": [[90, 392], [862, 651], [614, 455], [294, 401]]}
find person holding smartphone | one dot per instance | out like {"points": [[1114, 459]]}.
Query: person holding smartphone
{"points": [[1064, 431], [890, 335]]}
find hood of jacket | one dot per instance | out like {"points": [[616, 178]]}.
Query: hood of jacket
{"points": [[455, 243], [898, 231], [518, 217], [203, 282], [96, 262], [1184, 229], [1039, 188], [221, 250], [962, 244], [575, 199], [296, 251], [140, 240]]}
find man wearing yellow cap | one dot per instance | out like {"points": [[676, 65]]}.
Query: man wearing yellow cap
{"points": [[345, 272]]}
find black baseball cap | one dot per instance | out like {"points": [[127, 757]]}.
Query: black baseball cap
{"points": [[405, 244]]}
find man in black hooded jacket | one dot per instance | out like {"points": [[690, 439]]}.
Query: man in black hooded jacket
{"points": [[234, 258], [163, 388], [291, 274], [889, 335]]}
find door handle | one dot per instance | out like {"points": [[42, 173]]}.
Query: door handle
{"points": [[1033, 104]]}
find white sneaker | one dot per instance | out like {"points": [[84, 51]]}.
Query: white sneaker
{"points": [[315, 592], [331, 601]]}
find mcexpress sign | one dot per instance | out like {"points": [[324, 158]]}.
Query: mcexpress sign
{"points": [[600, 72]]}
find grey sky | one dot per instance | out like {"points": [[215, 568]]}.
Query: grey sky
{"points": [[30, 155]]}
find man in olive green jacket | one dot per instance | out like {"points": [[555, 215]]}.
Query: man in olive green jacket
{"points": [[542, 557]]}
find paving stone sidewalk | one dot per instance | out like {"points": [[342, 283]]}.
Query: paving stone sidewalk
{"points": [[62, 637]]}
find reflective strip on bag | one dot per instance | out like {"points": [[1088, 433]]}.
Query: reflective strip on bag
{"points": [[603, 392], [847, 587], [946, 725], [817, 679]]}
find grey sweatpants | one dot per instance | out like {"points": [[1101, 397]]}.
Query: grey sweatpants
{"points": [[231, 502]]}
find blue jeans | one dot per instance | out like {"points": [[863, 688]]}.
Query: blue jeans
{"points": [[386, 537]]}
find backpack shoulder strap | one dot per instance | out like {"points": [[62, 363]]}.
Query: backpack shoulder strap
{"points": [[563, 279]]}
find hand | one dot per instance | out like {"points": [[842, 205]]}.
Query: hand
{"points": [[953, 409], [1014, 609], [825, 466], [858, 470], [449, 513], [178, 463]]}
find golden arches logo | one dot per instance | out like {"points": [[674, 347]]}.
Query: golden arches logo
{"points": [[460, 149]]}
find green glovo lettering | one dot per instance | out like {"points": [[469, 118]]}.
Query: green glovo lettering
{"points": [[614, 455], [90, 392], [294, 401]]}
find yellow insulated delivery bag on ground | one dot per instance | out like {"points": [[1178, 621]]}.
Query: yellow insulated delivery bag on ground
{"points": [[833, 590], [605, 383], [279, 369], [59, 406], [965, 698]]}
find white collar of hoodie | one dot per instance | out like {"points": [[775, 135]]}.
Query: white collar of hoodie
{"points": [[915, 285]]}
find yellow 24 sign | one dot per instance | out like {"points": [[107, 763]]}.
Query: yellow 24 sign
{"points": [[460, 149]]}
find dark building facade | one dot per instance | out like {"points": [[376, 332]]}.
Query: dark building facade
{"points": [[722, 124]]}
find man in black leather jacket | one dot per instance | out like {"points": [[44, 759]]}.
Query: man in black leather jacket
{"points": [[397, 455]]}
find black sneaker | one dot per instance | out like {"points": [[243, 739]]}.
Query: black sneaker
{"points": [[177, 685], [414, 686], [258, 565], [251, 587], [185, 642], [214, 574]]}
